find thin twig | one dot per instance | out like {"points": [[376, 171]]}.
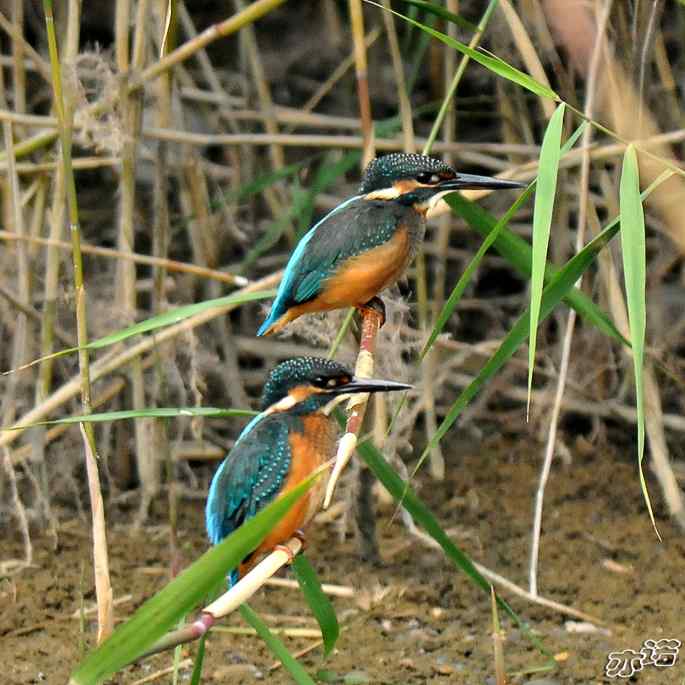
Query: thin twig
{"points": [[229, 601], [356, 407]]}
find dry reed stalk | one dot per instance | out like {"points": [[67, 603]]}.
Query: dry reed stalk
{"points": [[298, 654], [428, 368], [400, 82], [64, 108], [126, 296], [167, 12], [274, 195], [356, 407], [357, 22], [249, 40], [18, 68], [21, 516], [528, 53], [158, 262], [19, 337], [590, 91], [448, 133]]}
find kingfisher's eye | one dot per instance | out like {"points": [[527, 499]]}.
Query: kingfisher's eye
{"points": [[428, 178], [332, 383]]}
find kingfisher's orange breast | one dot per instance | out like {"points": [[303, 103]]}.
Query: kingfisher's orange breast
{"points": [[364, 276], [308, 450], [359, 279]]}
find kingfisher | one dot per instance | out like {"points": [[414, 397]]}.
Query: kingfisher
{"points": [[287, 441], [365, 244]]}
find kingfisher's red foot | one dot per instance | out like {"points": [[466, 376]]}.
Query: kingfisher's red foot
{"points": [[299, 534], [287, 550], [375, 305]]}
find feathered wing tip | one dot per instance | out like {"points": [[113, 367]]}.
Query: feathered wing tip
{"points": [[275, 322], [232, 578], [264, 328], [277, 311]]}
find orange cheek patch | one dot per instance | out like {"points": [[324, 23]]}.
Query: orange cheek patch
{"points": [[406, 185]]}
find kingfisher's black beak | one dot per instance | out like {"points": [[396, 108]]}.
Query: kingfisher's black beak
{"points": [[367, 385], [474, 182]]}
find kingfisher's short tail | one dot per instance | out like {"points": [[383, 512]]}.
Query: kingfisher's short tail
{"points": [[277, 319]]}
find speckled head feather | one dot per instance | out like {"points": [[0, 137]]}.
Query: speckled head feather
{"points": [[298, 371], [382, 171]]}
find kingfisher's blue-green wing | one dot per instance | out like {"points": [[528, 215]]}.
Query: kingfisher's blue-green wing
{"points": [[249, 478], [362, 227], [353, 228]]}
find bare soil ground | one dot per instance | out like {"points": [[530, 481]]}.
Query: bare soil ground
{"points": [[415, 620]]}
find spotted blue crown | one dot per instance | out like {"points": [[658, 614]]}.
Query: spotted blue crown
{"points": [[382, 171], [298, 371]]}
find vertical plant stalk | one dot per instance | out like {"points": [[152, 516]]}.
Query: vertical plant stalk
{"points": [[436, 459], [160, 246], [571, 321], [19, 338], [148, 465], [18, 66], [19, 510], [356, 407], [400, 81], [357, 20], [103, 587], [275, 194]]}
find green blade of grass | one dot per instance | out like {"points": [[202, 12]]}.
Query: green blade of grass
{"points": [[517, 252], [443, 14], [492, 234], [318, 601], [196, 677], [289, 662], [553, 293], [152, 413], [168, 318], [633, 250], [489, 61], [181, 595], [550, 154]]}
